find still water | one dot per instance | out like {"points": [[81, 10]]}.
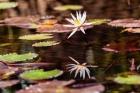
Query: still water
{"points": [[84, 48]]}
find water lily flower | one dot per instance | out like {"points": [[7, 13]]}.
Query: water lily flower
{"points": [[77, 22], [81, 69]]}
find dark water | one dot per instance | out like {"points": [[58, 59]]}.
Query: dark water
{"points": [[84, 48]]}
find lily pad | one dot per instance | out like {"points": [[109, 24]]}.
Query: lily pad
{"points": [[132, 30], [98, 21], [40, 74], [68, 7], [45, 43], [7, 5], [8, 83], [125, 23], [56, 28], [36, 37], [129, 79], [14, 57], [56, 86]]}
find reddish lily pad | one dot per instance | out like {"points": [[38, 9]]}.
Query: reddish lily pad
{"points": [[29, 22], [60, 87], [119, 47], [125, 23], [6, 71], [58, 28], [132, 30], [8, 83]]}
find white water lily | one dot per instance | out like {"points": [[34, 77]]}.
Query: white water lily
{"points": [[81, 69], [77, 22]]}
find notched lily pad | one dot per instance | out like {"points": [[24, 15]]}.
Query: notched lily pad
{"points": [[8, 83], [7, 5], [36, 37], [125, 23], [46, 43], [14, 57], [68, 7], [40, 74], [129, 79], [98, 21]]}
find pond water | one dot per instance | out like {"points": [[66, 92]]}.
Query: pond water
{"points": [[84, 48]]}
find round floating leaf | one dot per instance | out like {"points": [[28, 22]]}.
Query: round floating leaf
{"points": [[125, 23], [8, 83], [61, 87], [132, 30], [130, 79], [45, 44], [56, 28], [14, 57], [36, 37], [98, 21], [40, 74], [6, 5], [68, 7]]}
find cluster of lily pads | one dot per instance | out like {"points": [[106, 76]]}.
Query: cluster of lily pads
{"points": [[14, 63]]}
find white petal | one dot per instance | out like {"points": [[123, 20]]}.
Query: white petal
{"points": [[70, 20], [71, 70], [72, 33], [74, 60], [69, 26], [76, 73], [88, 72], [80, 16], [83, 17], [84, 74], [82, 29], [74, 18], [81, 73], [77, 15]]}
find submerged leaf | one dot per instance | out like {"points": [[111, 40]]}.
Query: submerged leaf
{"points": [[125, 23], [46, 43], [7, 5], [36, 37], [8, 83], [40, 74], [98, 21], [130, 79], [14, 57], [68, 7]]}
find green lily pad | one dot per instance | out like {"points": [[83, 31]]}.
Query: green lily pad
{"points": [[7, 5], [98, 21], [40, 74], [68, 7], [129, 79], [14, 57], [45, 43], [36, 37]]}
